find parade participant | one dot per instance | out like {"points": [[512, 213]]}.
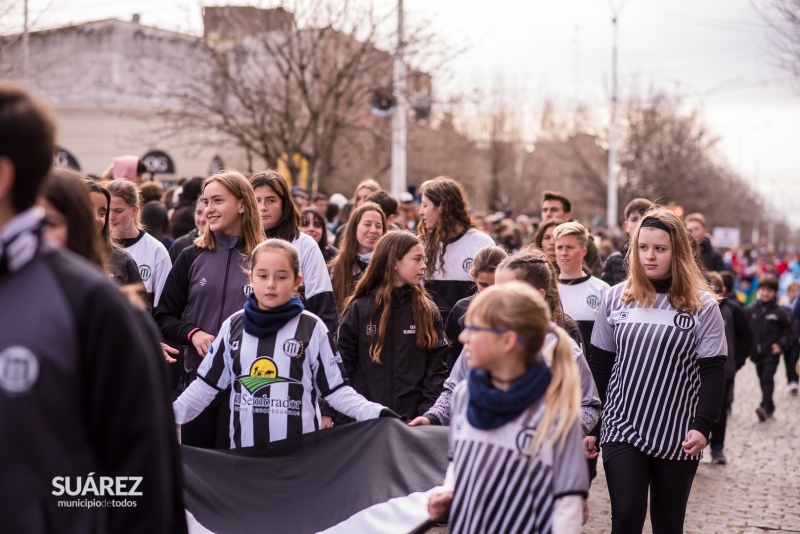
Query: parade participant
{"points": [[580, 293], [366, 226], [792, 355], [772, 335], [281, 219], [390, 337], [278, 357], [121, 267], [363, 190], [312, 223], [187, 239], [555, 206], [147, 251], [543, 239], [83, 395], [451, 241], [207, 284], [520, 412], [658, 359], [484, 265], [711, 260], [616, 270], [739, 338]]}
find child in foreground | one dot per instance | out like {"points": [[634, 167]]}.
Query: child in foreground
{"points": [[517, 463], [279, 358]]}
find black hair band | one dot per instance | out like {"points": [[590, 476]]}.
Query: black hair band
{"points": [[652, 222]]}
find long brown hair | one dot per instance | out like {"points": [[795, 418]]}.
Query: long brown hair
{"points": [[129, 194], [65, 191], [536, 270], [286, 228], [687, 278], [539, 236], [238, 186], [105, 233], [380, 277], [448, 194], [519, 308], [342, 265]]}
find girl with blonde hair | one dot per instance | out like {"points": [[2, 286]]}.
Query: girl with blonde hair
{"points": [[658, 359], [522, 413]]}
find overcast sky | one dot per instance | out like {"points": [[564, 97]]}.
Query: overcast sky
{"points": [[716, 52]]}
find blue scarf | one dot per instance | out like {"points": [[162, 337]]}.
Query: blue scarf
{"points": [[491, 408], [263, 323]]}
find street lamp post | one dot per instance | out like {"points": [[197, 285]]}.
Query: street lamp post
{"points": [[611, 205], [399, 126]]}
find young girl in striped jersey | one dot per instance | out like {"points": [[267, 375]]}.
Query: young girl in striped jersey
{"points": [[658, 359], [278, 357], [515, 440]]}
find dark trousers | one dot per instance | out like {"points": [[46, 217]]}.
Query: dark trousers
{"points": [[718, 431], [209, 430], [630, 473], [766, 374], [790, 359]]}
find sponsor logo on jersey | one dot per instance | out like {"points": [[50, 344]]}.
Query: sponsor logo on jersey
{"points": [[145, 271], [203, 282], [372, 329], [411, 329], [524, 438], [684, 321], [593, 301], [19, 370], [623, 316], [467, 265], [247, 289], [263, 373], [294, 348]]}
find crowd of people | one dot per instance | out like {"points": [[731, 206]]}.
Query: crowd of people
{"points": [[263, 312]]}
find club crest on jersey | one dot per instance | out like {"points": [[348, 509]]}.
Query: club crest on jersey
{"points": [[263, 373], [372, 329], [247, 289], [19, 370], [467, 265], [524, 438], [684, 321], [593, 301], [293, 348], [145, 271]]}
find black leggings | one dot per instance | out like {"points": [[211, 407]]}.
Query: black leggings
{"points": [[629, 473]]}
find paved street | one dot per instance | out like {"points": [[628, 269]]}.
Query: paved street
{"points": [[758, 490]]}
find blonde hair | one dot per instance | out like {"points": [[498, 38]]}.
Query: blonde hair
{"points": [[129, 194], [687, 278], [571, 228], [519, 308], [238, 186]]}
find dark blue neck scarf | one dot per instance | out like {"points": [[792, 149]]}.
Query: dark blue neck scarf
{"points": [[491, 408], [263, 323]]}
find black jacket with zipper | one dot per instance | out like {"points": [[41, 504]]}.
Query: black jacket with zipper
{"points": [[407, 380], [770, 324]]}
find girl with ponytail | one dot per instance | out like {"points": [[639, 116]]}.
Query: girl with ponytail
{"points": [[522, 412], [391, 335]]}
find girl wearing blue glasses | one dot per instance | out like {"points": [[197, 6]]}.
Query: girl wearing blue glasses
{"points": [[515, 439]]}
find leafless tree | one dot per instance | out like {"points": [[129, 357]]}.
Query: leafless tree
{"points": [[783, 16]]}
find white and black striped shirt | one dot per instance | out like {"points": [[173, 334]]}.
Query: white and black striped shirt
{"points": [[581, 300], [277, 379], [653, 390], [499, 490]]}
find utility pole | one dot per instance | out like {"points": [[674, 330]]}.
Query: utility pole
{"points": [[612, 193], [26, 49], [399, 126]]}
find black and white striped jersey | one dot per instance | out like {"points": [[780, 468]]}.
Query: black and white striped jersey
{"points": [[497, 489], [653, 390], [153, 260], [581, 300], [275, 380], [454, 282]]}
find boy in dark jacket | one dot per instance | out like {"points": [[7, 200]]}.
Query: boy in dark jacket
{"points": [[616, 270], [772, 333], [739, 338]]}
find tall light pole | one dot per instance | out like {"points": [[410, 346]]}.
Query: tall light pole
{"points": [[26, 48], [399, 126], [612, 193]]}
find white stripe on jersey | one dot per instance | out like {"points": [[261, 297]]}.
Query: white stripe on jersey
{"points": [[581, 301], [312, 266], [275, 380], [497, 489], [653, 389], [152, 258], [459, 255]]}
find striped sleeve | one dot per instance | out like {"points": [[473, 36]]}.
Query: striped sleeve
{"points": [[326, 362], [603, 332], [710, 330], [215, 369], [570, 471]]}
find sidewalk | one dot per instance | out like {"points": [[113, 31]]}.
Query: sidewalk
{"points": [[758, 490]]}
